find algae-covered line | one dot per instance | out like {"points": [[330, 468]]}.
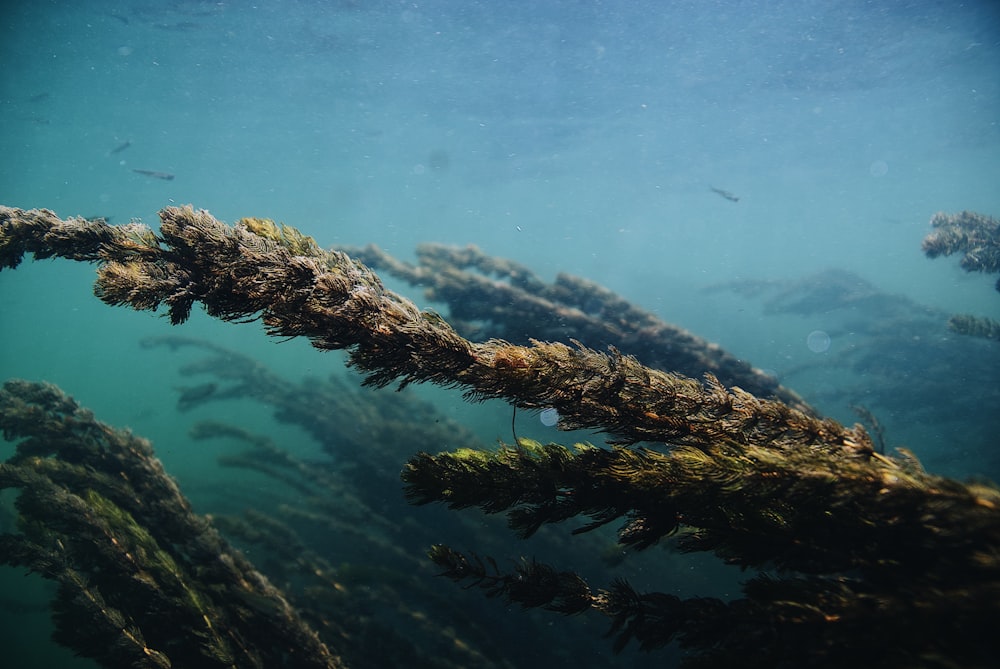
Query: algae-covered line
{"points": [[502, 299], [868, 547], [257, 269]]}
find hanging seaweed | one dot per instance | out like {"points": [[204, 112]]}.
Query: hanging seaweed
{"points": [[141, 577], [880, 561], [333, 529], [984, 328], [499, 298], [881, 564], [810, 621], [977, 238], [802, 509], [338, 303]]}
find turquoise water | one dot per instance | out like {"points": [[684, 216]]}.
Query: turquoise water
{"points": [[570, 136]]}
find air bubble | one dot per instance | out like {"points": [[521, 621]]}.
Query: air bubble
{"points": [[549, 417], [818, 341]]}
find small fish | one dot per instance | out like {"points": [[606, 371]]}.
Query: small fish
{"points": [[121, 147], [724, 193], [166, 176], [41, 97], [98, 219]]}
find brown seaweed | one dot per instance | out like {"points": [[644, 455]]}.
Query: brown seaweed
{"points": [[497, 298], [880, 561], [977, 238], [140, 574]]}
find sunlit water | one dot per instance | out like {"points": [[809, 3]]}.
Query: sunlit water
{"points": [[571, 136]]}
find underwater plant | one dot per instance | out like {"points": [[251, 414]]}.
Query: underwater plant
{"points": [[879, 563], [497, 298], [977, 237], [142, 580]]}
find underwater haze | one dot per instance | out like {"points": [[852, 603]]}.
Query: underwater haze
{"points": [[758, 173]]}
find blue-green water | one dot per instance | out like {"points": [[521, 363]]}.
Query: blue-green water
{"points": [[570, 136]]}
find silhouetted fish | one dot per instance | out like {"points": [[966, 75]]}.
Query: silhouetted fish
{"points": [[166, 176], [121, 147], [724, 193]]}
